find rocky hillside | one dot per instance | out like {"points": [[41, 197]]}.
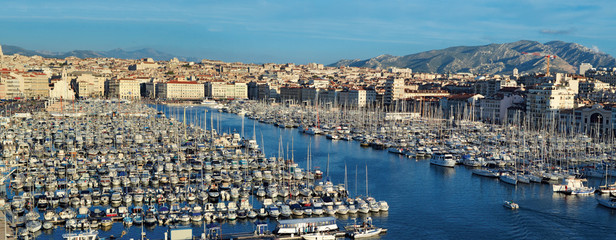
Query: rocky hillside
{"points": [[492, 58]]}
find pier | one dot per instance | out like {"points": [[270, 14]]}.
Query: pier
{"points": [[6, 230]]}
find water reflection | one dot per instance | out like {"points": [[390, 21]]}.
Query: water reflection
{"points": [[107, 228], [445, 172]]}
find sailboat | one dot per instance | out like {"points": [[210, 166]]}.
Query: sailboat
{"points": [[607, 188], [365, 230], [508, 177]]}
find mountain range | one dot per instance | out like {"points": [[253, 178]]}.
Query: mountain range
{"points": [[114, 53], [492, 59], [486, 59]]}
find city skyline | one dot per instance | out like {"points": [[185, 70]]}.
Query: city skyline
{"points": [[300, 32]]}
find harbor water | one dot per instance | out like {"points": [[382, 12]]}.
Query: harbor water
{"points": [[426, 201]]}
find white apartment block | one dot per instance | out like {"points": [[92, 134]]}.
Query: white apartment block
{"points": [[394, 90], [123, 89], [180, 90], [547, 99]]}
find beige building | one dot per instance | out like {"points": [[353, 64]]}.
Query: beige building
{"points": [[240, 91], [417, 94], [90, 85], [219, 90], [123, 88], [180, 90], [2, 90], [36, 84], [143, 65], [596, 117], [13, 85]]}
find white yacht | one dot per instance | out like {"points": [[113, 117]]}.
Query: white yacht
{"points": [[444, 160], [383, 206], [285, 211], [485, 172], [508, 178], [33, 226], [572, 185], [273, 211]]}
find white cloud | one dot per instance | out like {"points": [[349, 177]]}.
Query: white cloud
{"points": [[595, 49]]}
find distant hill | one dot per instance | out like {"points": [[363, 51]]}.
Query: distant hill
{"points": [[114, 53], [492, 58]]}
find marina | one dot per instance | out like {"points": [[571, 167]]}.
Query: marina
{"points": [[307, 120], [432, 194], [118, 164]]}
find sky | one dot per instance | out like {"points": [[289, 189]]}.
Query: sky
{"points": [[301, 31]]}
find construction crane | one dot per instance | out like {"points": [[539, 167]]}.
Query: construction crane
{"points": [[547, 57]]}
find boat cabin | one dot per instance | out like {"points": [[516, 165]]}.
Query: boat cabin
{"points": [[306, 225]]}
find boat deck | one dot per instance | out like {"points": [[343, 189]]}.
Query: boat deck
{"points": [[338, 234], [247, 236]]}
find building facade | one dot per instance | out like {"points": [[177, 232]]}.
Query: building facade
{"points": [[545, 101], [36, 84], [122, 89], [224, 90], [61, 90], [353, 97], [180, 90], [394, 90], [90, 85]]}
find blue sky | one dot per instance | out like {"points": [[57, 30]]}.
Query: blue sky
{"points": [[301, 31]]}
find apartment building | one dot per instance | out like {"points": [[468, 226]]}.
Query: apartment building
{"points": [[543, 102], [124, 88], [224, 90], [180, 90]]}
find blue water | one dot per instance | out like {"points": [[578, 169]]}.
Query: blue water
{"points": [[426, 202]]}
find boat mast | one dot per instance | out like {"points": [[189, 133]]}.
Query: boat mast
{"points": [[327, 165], [366, 179], [355, 178], [346, 184]]}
